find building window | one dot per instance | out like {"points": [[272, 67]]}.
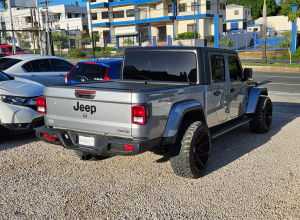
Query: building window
{"points": [[83, 15], [236, 12], [221, 6], [130, 13], [170, 9], [182, 7], [208, 5], [193, 8], [69, 15], [93, 0], [255, 29], [94, 16], [191, 27], [104, 15], [76, 15], [224, 7], [118, 14]]}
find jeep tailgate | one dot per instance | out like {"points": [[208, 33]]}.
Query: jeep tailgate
{"points": [[88, 109]]}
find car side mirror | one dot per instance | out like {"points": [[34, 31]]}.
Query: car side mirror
{"points": [[247, 73]]}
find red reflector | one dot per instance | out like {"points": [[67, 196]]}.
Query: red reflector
{"points": [[138, 115], [128, 147], [93, 63], [86, 92], [41, 105], [50, 138]]}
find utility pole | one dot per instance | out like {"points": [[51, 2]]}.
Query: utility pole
{"points": [[264, 49], [12, 29], [195, 7], [32, 35], [49, 52], [39, 27]]}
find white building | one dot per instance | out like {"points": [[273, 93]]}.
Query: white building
{"points": [[237, 17], [66, 17]]}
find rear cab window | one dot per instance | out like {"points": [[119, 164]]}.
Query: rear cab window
{"points": [[6, 63], [217, 64], [161, 66], [235, 70], [87, 72]]}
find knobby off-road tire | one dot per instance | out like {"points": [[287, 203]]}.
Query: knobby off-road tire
{"points": [[190, 154], [262, 118]]}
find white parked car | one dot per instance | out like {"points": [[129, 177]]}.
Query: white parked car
{"points": [[42, 69], [18, 113]]}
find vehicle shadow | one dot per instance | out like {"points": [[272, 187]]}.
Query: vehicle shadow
{"points": [[238, 142], [9, 142]]}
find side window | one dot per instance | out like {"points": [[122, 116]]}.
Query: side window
{"points": [[118, 69], [61, 65], [27, 67], [217, 68], [235, 70], [41, 66]]}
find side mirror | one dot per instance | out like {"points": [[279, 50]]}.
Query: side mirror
{"points": [[247, 73]]}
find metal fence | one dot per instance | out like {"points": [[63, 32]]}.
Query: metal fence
{"points": [[247, 41]]}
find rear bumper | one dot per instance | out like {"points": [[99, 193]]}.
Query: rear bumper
{"points": [[103, 145], [12, 129]]}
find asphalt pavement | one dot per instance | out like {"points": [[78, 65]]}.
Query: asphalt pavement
{"points": [[284, 89]]}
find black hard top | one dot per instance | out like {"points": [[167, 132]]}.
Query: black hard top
{"points": [[178, 48]]}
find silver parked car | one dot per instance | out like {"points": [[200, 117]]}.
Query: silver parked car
{"points": [[42, 69], [18, 113]]}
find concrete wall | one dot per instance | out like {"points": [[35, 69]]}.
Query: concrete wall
{"points": [[240, 40], [277, 23]]}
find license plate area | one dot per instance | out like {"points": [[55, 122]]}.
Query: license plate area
{"points": [[86, 140]]}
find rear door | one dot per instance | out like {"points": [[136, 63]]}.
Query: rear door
{"points": [[61, 68], [41, 71], [236, 89], [219, 86]]}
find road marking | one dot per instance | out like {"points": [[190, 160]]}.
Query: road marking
{"points": [[270, 83], [290, 77]]}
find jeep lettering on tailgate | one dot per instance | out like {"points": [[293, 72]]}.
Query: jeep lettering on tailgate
{"points": [[86, 108]]}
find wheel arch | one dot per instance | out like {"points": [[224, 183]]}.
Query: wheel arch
{"points": [[187, 110], [255, 93]]}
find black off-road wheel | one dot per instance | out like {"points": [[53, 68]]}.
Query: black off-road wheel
{"points": [[262, 119], [190, 154]]}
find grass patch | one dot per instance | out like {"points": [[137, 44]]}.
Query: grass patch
{"points": [[272, 64]]}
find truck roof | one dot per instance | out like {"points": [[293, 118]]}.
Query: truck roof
{"points": [[179, 48]]}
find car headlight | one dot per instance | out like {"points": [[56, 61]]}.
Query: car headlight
{"points": [[15, 100]]}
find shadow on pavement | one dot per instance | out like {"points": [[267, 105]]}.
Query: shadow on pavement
{"points": [[238, 142], [9, 142]]}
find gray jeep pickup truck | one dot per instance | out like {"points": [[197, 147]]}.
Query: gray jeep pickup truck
{"points": [[182, 97]]}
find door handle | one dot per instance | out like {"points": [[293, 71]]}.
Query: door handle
{"points": [[217, 93], [33, 75]]}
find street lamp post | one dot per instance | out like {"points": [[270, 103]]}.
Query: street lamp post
{"points": [[264, 49], [195, 5]]}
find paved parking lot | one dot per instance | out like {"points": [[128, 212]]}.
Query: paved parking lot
{"points": [[250, 176]]}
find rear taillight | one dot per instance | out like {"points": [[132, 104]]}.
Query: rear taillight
{"points": [[51, 138], [138, 115], [106, 76], [41, 105], [256, 84], [68, 74]]}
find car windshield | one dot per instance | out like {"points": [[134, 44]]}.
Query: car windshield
{"points": [[6, 63], [87, 72], [161, 66], [3, 77]]}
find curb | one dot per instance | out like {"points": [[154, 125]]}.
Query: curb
{"points": [[274, 69]]}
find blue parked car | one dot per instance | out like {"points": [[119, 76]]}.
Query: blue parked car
{"points": [[95, 70]]}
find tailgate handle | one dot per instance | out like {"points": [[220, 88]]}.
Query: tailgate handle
{"points": [[85, 94]]}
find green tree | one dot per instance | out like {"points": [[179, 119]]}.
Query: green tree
{"points": [[224, 42], [7, 38], [257, 6], [60, 41], [287, 43], [22, 39], [286, 6]]}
